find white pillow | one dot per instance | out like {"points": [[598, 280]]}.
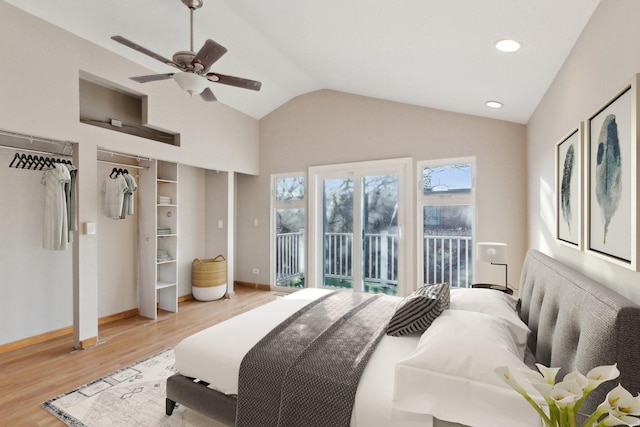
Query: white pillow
{"points": [[496, 303], [450, 375]]}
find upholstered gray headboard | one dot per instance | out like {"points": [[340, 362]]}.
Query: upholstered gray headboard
{"points": [[577, 323]]}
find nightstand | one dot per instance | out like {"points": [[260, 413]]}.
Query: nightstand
{"points": [[494, 287]]}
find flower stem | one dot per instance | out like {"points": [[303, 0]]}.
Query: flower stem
{"points": [[571, 415], [592, 419], [539, 410]]}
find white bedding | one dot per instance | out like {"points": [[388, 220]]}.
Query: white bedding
{"points": [[214, 355]]}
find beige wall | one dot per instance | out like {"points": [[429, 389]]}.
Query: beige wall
{"points": [[328, 127], [603, 60]]}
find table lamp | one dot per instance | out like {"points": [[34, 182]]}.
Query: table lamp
{"points": [[495, 253]]}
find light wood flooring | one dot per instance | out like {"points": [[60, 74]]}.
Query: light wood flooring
{"points": [[34, 374]]}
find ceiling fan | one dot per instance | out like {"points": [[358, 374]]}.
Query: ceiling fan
{"points": [[194, 74]]}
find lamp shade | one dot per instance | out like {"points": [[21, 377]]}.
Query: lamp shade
{"points": [[192, 83], [491, 252]]}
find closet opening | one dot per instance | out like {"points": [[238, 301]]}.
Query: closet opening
{"points": [[118, 230], [37, 266]]}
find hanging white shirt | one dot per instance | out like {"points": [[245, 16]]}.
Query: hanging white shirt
{"points": [[114, 189], [127, 207], [55, 228]]}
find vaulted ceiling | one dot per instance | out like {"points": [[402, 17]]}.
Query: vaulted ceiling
{"points": [[433, 53]]}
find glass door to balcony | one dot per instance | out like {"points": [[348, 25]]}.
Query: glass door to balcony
{"points": [[359, 230]]}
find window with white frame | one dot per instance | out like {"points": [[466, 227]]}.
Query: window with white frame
{"points": [[446, 204], [288, 230]]}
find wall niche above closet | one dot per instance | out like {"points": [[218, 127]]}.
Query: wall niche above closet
{"points": [[113, 108]]}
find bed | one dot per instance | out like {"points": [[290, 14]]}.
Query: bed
{"points": [[438, 378]]}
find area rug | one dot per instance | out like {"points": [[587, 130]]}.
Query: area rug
{"points": [[132, 396]]}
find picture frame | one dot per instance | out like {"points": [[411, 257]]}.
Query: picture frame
{"points": [[569, 188], [612, 179]]}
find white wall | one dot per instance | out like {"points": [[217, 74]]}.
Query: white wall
{"points": [[604, 59], [46, 103], [216, 210], [328, 127]]}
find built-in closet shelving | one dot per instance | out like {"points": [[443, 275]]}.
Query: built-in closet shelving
{"points": [[158, 285]]}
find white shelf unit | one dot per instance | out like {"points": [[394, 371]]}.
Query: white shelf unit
{"points": [[158, 286]]}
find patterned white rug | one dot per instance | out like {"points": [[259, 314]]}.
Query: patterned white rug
{"points": [[132, 396]]}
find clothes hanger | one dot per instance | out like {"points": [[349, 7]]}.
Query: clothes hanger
{"points": [[27, 162], [48, 163], [114, 170], [41, 162], [16, 157]]}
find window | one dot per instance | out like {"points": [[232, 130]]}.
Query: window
{"points": [[288, 225], [446, 201]]}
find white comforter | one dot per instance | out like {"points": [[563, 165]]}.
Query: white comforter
{"points": [[214, 355], [449, 371]]}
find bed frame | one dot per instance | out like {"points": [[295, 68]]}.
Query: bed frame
{"points": [[575, 322]]}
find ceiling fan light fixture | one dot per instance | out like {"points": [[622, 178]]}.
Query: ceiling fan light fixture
{"points": [[189, 82]]}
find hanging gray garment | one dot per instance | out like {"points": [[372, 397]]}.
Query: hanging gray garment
{"points": [[133, 187], [127, 203], [72, 201]]}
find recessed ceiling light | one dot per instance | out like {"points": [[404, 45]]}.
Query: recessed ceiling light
{"points": [[507, 46], [494, 104]]}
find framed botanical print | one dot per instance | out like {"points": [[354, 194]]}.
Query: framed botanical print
{"points": [[612, 179], [569, 188]]}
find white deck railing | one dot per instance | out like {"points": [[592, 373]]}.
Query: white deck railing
{"points": [[449, 258]]}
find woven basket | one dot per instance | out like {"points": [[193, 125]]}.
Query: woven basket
{"points": [[209, 272]]}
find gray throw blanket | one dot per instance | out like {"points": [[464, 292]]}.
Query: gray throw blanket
{"points": [[305, 372]]}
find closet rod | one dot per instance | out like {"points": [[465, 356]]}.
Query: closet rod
{"points": [[32, 138], [46, 153], [126, 165], [115, 153]]}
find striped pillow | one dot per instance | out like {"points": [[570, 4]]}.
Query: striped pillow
{"points": [[416, 312]]}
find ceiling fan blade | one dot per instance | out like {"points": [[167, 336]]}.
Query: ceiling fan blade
{"points": [[209, 54], [146, 51], [152, 78], [208, 95], [234, 81]]}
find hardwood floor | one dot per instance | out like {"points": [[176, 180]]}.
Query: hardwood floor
{"points": [[34, 374]]}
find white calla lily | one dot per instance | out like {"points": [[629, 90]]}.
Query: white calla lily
{"points": [[600, 374], [565, 398], [566, 394], [622, 402], [549, 374], [545, 390], [534, 377], [508, 377], [616, 396], [623, 420], [578, 378]]}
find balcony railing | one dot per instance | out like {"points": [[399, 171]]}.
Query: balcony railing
{"points": [[447, 258]]}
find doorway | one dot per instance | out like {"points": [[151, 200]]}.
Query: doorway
{"points": [[357, 220]]}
